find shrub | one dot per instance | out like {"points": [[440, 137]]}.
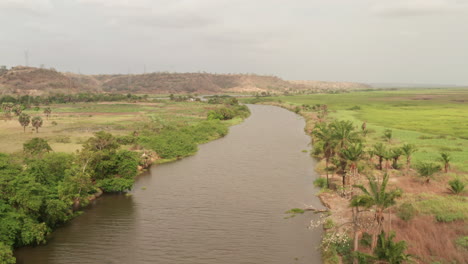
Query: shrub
{"points": [[366, 240], [328, 224], [115, 184], [462, 242], [320, 182], [170, 144], [456, 186], [356, 107], [406, 211]]}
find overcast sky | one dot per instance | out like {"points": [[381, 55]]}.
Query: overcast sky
{"points": [[412, 41]]}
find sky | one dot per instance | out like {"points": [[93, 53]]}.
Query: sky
{"points": [[372, 41]]}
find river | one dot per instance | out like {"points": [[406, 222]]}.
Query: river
{"points": [[223, 205]]}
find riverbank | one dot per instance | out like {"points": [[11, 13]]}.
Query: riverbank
{"points": [[42, 190], [423, 212]]}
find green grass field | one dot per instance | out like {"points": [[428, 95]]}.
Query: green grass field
{"points": [[435, 120], [71, 124]]}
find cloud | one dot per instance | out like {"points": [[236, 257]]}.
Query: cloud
{"points": [[33, 7], [406, 8]]}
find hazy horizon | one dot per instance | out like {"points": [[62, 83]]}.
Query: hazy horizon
{"points": [[369, 41]]}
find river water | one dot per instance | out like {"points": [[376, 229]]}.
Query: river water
{"points": [[225, 204]]}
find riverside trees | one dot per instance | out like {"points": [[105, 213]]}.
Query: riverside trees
{"points": [[45, 189]]}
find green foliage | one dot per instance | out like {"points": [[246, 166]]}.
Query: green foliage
{"points": [[101, 141], [320, 182], [356, 107], [457, 186], [390, 251], [228, 112], [406, 211], [24, 120], [388, 133], [170, 144], [427, 169], [462, 242], [444, 208], [37, 122], [36, 147], [6, 254], [366, 240], [50, 168], [295, 211], [115, 184], [329, 223]]}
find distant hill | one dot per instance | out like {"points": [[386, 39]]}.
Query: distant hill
{"points": [[36, 81]]}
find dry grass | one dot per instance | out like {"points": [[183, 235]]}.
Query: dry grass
{"points": [[431, 240]]}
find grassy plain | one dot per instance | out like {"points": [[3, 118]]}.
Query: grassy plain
{"points": [[435, 120], [71, 124]]}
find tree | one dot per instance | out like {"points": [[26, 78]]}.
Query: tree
{"points": [[47, 112], [408, 150], [17, 109], [37, 123], [388, 134], [396, 153], [381, 152], [377, 197], [6, 254], [36, 146], [427, 170], [353, 154], [24, 120], [344, 134], [322, 132], [101, 141], [389, 251], [445, 159], [456, 186]]}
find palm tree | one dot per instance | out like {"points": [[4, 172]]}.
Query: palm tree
{"points": [[353, 154], [408, 150], [344, 133], [389, 251], [380, 151], [427, 169], [396, 153], [36, 122], [377, 197], [445, 158], [322, 132], [24, 120]]}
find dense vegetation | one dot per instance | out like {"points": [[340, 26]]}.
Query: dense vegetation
{"points": [[40, 190]]}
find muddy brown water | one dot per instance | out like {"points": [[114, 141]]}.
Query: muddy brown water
{"points": [[225, 204]]}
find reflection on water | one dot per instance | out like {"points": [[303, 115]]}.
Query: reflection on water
{"points": [[224, 205]]}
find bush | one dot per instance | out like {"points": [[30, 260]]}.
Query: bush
{"points": [[6, 254], [126, 140], [462, 242], [366, 240], [406, 211], [456, 186], [171, 144], [320, 182], [449, 217], [115, 184], [356, 107]]}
